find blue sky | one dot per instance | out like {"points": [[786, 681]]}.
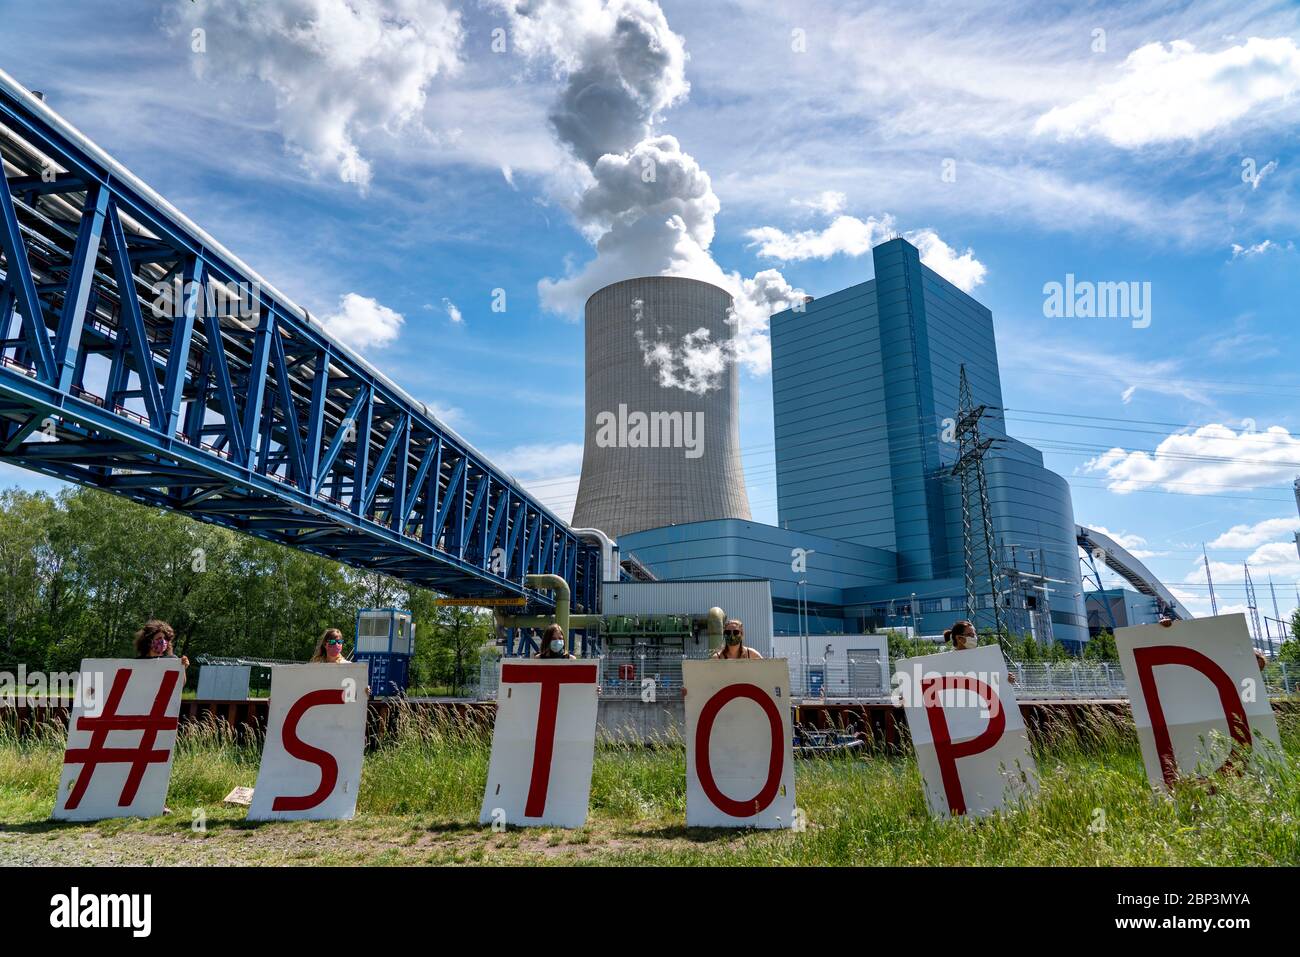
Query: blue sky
{"points": [[385, 166]]}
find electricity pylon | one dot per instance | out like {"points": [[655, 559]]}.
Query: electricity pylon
{"points": [[969, 469]]}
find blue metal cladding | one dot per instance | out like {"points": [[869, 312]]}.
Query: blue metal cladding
{"points": [[249, 417], [863, 380]]}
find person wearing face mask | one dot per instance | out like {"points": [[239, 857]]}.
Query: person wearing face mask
{"points": [[329, 650], [733, 633], [961, 635], [553, 644], [155, 640]]}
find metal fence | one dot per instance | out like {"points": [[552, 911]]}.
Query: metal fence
{"points": [[622, 676]]}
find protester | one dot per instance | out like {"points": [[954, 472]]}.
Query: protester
{"points": [[156, 640], [733, 633], [553, 644], [329, 650], [961, 636]]}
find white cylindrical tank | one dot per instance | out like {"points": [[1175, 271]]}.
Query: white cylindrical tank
{"points": [[658, 454]]}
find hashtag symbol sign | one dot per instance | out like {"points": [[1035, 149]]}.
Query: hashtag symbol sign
{"points": [[98, 752]]}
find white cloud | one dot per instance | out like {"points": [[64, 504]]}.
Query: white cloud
{"points": [[1178, 93], [453, 311], [845, 236], [342, 70], [828, 202], [963, 271], [1204, 461], [1132, 543], [1252, 536], [1127, 395], [451, 415], [361, 322], [539, 461], [851, 236], [549, 472], [1036, 360], [1277, 560], [1240, 252]]}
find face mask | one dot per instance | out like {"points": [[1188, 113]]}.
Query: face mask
{"points": [[159, 646], [733, 639], [557, 645]]}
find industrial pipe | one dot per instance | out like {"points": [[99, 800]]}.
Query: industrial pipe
{"points": [[562, 617], [585, 622], [717, 618], [608, 552]]}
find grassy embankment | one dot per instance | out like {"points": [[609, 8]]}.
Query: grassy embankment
{"points": [[420, 798]]}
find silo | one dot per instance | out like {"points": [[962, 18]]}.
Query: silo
{"points": [[657, 454]]}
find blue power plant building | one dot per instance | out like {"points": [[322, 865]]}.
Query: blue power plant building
{"points": [[865, 388]]}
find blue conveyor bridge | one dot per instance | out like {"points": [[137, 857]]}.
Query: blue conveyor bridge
{"points": [[139, 356]]}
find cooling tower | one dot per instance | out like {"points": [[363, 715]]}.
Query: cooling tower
{"points": [[657, 455]]}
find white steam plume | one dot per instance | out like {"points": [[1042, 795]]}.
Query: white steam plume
{"points": [[645, 204]]}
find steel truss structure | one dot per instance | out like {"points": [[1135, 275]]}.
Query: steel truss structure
{"points": [[228, 403]]}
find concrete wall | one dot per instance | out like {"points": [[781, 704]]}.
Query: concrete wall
{"points": [[634, 721]]}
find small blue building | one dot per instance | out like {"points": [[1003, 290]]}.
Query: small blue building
{"points": [[385, 642]]}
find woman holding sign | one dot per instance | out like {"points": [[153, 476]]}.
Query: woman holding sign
{"points": [[733, 632], [329, 650], [553, 644], [155, 640]]}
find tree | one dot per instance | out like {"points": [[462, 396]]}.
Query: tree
{"points": [[448, 639], [1290, 650], [1101, 648], [26, 565], [901, 646]]}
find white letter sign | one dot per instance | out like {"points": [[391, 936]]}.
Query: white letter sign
{"points": [[970, 740], [120, 739], [315, 737], [739, 749], [1187, 682], [543, 743]]}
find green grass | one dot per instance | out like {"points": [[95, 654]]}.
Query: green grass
{"points": [[420, 797]]}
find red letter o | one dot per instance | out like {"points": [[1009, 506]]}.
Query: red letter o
{"points": [[776, 760]]}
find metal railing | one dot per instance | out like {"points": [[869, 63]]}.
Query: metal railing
{"points": [[622, 675]]}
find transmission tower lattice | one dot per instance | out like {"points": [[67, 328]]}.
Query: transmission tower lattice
{"points": [[1214, 604], [1250, 603], [969, 469]]}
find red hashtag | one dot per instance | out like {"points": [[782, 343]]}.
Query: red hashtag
{"points": [[139, 757]]}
